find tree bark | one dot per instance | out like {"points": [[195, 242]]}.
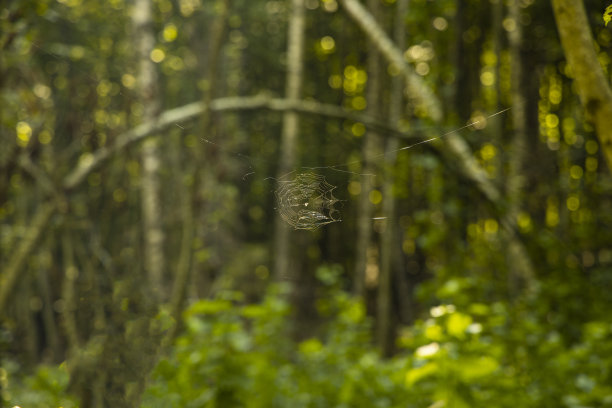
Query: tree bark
{"points": [[147, 91], [295, 51], [591, 83]]}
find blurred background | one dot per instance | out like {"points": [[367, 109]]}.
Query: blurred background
{"points": [[143, 261]]}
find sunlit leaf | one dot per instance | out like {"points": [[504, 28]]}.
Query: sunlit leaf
{"points": [[607, 16], [457, 324]]}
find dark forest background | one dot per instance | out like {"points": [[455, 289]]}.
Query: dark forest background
{"points": [[143, 261]]}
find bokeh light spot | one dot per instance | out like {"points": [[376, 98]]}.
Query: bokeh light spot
{"points": [[157, 55], [375, 197], [440, 23], [24, 133], [358, 129], [327, 44], [170, 32], [573, 203]]}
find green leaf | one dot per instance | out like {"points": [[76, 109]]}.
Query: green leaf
{"points": [[457, 324], [476, 368], [419, 373], [607, 15]]}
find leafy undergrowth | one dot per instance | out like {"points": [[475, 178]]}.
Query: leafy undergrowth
{"points": [[479, 355], [241, 356]]}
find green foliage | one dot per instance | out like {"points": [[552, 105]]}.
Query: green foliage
{"points": [[45, 388], [234, 355], [480, 356], [607, 15]]}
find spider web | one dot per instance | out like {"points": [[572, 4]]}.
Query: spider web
{"points": [[307, 201]]}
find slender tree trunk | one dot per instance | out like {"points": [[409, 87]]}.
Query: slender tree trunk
{"points": [[462, 97], [519, 265], [369, 150], [591, 83], [147, 89], [50, 325], [184, 265], [69, 292], [295, 51], [388, 241]]}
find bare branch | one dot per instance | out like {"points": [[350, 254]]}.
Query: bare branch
{"points": [[43, 180], [8, 279]]}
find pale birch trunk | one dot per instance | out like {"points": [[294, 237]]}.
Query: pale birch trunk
{"points": [[147, 91], [289, 136]]}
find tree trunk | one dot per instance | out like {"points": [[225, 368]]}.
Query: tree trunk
{"points": [[69, 292], [295, 51], [593, 88], [462, 95], [369, 151], [388, 245], [147, 90], [184, 265], [520, 268]]}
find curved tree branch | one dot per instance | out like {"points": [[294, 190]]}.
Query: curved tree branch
{"points": [[191, 111]]}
